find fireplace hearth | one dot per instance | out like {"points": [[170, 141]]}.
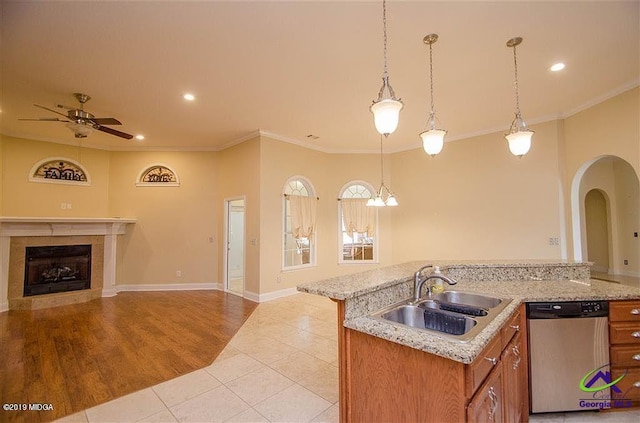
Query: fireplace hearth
{"points": [[58, 268]]}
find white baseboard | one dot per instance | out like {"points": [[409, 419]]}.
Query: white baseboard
{"points": [[629, 273], [258, 298], [4, 306], [170, 287], [261, 298]]}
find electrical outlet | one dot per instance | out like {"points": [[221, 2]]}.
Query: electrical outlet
{"points": [[178, 273], [278, 279], [210, 240], [626, 262]]}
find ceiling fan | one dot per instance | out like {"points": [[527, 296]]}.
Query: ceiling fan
{"points": [[83, 123]]}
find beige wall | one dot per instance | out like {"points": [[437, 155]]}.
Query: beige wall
{"points": [[611, 128], [174, 224], [24, 198], [475, 200], [238, 175], [328, 173], [627, 194], [597, 230]]}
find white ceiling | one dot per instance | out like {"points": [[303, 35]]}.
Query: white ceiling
{"points": [[297, 68]]}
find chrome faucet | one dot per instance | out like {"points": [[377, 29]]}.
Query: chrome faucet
{"points": [[418, 281]]}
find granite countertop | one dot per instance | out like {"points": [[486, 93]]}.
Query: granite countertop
{"points": [[517, 291], [354, 288]]}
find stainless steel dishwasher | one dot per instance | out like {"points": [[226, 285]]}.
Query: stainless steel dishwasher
{"points": [[567, 340]]}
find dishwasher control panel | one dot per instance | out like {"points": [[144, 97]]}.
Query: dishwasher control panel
{"points": [[567, 309]]}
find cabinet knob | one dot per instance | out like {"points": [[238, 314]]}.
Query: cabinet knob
{"points": [[636, 384], [515, 327], [635, 311], [636, 334], [492, 360], [636, 357]]}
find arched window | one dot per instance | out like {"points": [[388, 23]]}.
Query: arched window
{"points": [[358, 224], [299, 210]]}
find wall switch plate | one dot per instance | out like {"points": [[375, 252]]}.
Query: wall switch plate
{"points": [[179, 273], [635, 234]]}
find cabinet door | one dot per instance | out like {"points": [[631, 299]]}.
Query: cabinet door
{"points": [[486, 405], [513, 378]]}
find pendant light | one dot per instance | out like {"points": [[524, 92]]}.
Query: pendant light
{"points": [[519, 136], [386, 108], [432, 138], [384, 196]]}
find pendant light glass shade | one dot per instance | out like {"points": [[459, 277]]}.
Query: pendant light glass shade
{"points": [[386, 114], [432, 138], [386, 108], [519, 136], [433, 141]]}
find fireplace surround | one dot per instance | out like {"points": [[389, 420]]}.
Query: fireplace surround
{"points": [[19, 233]]}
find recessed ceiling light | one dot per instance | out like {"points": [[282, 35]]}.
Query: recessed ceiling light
{"points": [[189, 97], [139, 137], [557, 67]]}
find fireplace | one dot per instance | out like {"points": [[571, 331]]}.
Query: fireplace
{"points": [[57, 268]]}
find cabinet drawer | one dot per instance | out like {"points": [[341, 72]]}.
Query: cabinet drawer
{"points": [[510, 328], [625, 355], [629, 385], [622, 311], [477, 371], [624, 333]]}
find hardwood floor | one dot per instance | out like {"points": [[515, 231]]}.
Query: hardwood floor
{"points": [[75, 357]]}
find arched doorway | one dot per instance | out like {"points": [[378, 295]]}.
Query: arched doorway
{"points": [[616, 180]]}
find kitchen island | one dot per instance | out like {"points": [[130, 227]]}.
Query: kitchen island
{"points": [[422, 375]]}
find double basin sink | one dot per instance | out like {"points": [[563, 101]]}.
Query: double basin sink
{"points": [[453, 314]]}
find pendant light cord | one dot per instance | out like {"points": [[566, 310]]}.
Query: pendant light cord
{"points": [[515, 65], [381, 167], [431, 77], [385, 73]]}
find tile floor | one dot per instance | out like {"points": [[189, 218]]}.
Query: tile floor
{"points": [[280, 367]]}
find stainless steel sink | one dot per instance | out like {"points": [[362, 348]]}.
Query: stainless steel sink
{"points": [[430, 318], [452, 314], [466, 298]]}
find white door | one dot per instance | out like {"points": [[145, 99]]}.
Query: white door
{"points": [[235, 246]]}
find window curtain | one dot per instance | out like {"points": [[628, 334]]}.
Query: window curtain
{"points": [[358, 217], [303, 216]]}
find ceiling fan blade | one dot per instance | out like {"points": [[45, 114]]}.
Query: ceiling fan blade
{"points": [[51, 110], [45, 119], [106, 121], [113, 132]]}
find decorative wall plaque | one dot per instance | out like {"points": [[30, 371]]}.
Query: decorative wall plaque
{"points": [[158, 175], [59, 170]]}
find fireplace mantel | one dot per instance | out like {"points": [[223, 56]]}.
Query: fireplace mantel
{"points": [[109, 227]]}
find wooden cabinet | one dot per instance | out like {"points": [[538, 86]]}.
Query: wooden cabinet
{"points": [[514, 377], [487, 404], [624, 336], [385, 381]]}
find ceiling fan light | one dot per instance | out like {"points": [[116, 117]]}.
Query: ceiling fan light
{"points": [[520, 142], [80, 130], [433, 141], [386, 114]]}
